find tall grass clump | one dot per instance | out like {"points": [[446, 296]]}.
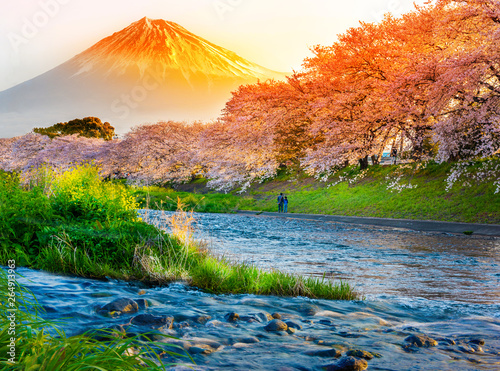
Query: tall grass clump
{"points": [[80, 193], [219, 276], [41, 345]]}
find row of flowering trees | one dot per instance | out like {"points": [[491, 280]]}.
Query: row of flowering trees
{"points": [[427, 82], [165, 152]]}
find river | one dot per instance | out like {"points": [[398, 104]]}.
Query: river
{"points": [[444, 286]]}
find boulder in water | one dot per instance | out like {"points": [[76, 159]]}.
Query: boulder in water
{"points": [[360, 354], [122, 305], [276, 325], [348, 364], [155, 322], [421, 341]]}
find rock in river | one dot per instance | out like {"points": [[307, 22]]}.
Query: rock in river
{"points": [[232, 317], [276, 325], [153, 321], [143, 303], [293, 325], [348, 364], [477, 341], [360, 354], [122, 305], [421, 341]]}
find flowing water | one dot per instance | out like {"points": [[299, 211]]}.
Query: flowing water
{"points": [[444, 286]]}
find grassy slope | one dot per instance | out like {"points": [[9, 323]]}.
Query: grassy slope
{"points": [[362, 195]]}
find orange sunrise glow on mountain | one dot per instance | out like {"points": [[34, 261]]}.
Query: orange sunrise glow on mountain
{"points": [[48, 49]]}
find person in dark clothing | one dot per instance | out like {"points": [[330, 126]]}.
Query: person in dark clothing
{"points": [[281, 201], [285, 205]]}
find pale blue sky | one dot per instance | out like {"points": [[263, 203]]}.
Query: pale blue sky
{"points": [[37, 35]]}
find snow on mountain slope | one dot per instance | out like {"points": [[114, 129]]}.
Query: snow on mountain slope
{"points": [[148, 43]]}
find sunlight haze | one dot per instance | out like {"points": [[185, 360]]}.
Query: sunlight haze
{"points": [[38, 35]]}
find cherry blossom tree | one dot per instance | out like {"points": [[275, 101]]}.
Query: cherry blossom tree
{"points": [[428, 79], [240, 147], [466, 94], [159, 153]]}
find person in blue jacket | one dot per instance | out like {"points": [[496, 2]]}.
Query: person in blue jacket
{"points": [[280, 203]]}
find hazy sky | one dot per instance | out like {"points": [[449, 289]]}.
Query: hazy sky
{"points": [[38, 35]]}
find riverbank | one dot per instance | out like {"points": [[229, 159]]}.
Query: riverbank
{"points": [[73, 222], [460, 193]]}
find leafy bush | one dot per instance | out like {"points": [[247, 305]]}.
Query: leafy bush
{"points": [[80, 193]]}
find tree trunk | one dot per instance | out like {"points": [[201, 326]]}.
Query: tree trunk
{"points": [[363, 163]]}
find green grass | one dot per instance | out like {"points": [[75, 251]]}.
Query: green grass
{"points": [[73, 222], [366, 194], [218, 276]]}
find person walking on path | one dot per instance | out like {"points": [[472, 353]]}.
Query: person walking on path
{"points": [[280, 203], [285, 205]]}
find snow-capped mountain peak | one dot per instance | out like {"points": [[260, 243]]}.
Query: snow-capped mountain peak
{"points": [[160, 47]]}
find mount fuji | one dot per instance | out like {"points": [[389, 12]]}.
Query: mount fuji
{"points": [[151, 70]]}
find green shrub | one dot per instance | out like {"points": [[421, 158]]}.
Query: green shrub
{"points": [[80, 193]]}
